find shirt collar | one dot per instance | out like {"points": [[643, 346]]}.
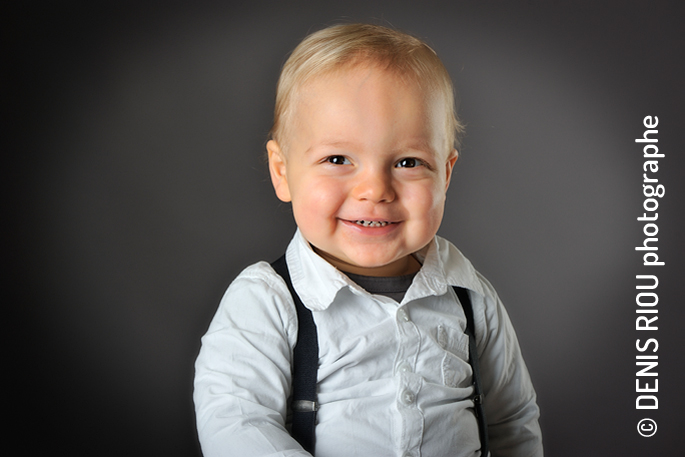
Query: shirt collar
{"points": [[317, 282], [443, 266]]}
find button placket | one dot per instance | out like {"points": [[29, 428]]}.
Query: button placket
{"points": [[411, 434], [409, 384], [409, 341]]}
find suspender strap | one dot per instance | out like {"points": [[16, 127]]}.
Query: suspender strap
{"points": [[305, 367], [478, 397]]}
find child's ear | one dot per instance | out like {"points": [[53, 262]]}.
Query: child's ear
{"points": [[451, 160], [277, 171]]}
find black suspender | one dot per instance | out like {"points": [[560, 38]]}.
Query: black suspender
{"points": [[478, 397], [305, 367], [306, 364]]}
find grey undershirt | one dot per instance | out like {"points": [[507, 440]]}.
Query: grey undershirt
{"points": [[391, 286]]}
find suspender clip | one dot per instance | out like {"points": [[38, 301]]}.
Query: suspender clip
{"points": [[305, 406]]}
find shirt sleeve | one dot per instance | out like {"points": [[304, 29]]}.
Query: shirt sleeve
{"points": [[510, 401], [243, 371]]}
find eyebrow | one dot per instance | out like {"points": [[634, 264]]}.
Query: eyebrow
{"points": [[329, 143], [412, 145], [420, 145]]}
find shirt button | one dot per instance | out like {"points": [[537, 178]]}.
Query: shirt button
{"points": [[402, 314], [404, 367], [407, 397]]}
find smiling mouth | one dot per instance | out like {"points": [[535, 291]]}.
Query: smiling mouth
{"points": [[372, 223]]}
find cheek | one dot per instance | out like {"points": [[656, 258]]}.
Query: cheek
{"points": [[434, 215], [427, 199], [428, 205], [318, 199]]}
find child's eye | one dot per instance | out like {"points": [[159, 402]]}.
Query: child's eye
{"points": [[409, 162], [338, 160]]}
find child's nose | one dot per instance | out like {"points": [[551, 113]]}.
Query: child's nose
{"points": [[375, 186]]}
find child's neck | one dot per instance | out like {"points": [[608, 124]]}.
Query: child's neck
{"points": [[408, 265]]}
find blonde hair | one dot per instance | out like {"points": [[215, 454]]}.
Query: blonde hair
{"points": [[346, 45]]}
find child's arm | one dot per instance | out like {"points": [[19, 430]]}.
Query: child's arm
{"points": [[243, 371], [510, 402]]}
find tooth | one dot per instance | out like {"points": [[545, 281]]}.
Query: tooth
{"points": [[372, 223]]}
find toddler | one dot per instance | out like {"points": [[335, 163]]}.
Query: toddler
{"points": [[363, 146]]}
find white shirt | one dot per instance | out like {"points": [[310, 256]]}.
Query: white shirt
{"points": [[393, 378]]}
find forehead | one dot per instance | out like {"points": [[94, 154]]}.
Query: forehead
{"points": [[370, 103], [362, 73]]}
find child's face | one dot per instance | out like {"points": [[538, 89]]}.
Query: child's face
{"points": [[366, 168]]}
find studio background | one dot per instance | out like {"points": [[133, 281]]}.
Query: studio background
{"points": [[136, 189]]}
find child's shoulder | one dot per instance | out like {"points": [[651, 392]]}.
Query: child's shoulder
{"points": [[256, 298], [259, 272], [261, 282]]}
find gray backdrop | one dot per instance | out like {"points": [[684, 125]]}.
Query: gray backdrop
{"points": [[136, 190]]}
